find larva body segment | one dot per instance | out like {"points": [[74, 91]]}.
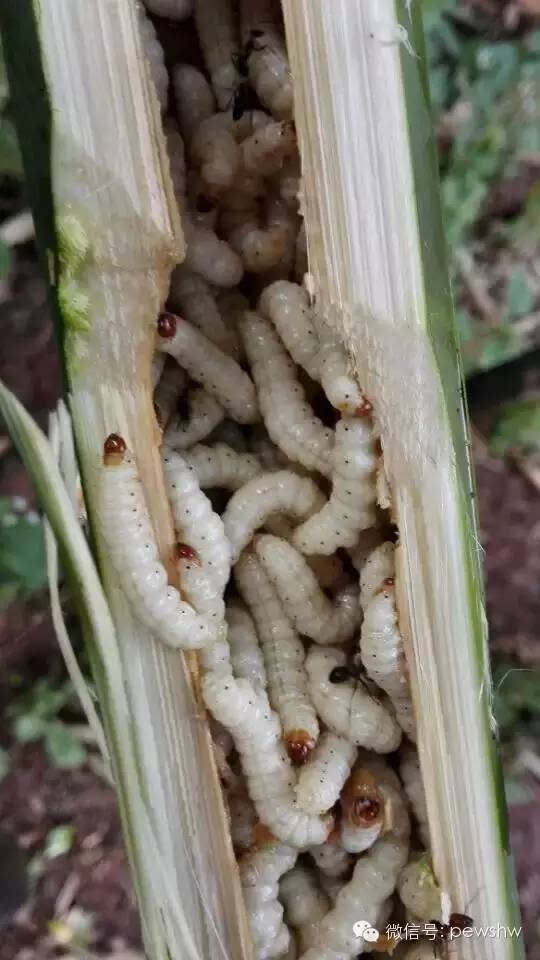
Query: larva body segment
{"points": [[331, 860], [126, 529], [218, 373], [347, 708], [363, 811], [336, 378], [383, 656], [283, 655], [204, 415], [246, 657], [377, 567], [264, 495], [287, 306], [215, 152], [351, 507], [221, 466], [192, 296], [171, 386], [264, 247], [372, 883], [220, 47], [269, 72], [288, 418], [203, 577], [173, 9], [411, 775], [320, 781], [260, 872], [193, 98], [213, 258], [270, 777], [304, 902], [155, 56], [312, 613], [266, 150], [418, 890]]}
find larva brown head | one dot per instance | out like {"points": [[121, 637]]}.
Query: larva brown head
{"points": [[166, 326], [299, 746], [114, 450], [389, 582], [363, 409], [185, 552], [361, 801]]}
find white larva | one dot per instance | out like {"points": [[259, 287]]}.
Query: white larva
{"points": [[126, 529], [281, 491], [321, 780], [418, 890], [338, 383], [351, 507], [242, 819], [204, 556], [155, 56], [246, 656], [213, 258], [219, 42], [269, 72], [331, 859], [347, 708], [311, 611], [287, 306], [265, 247], [283, 655], [373, 881], [170, 388], [232, 306], [204, 415], [221, 466], [193, 298], [193, 98], [304, 902], [383, 656], [269, 775], [215, 152], [266, 150], [218, 373], [260, 872], [409, 769], [377, 567], [288, 418], [363, 811], [173, 9]]}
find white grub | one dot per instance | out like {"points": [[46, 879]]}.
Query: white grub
{"points": [[218, 373], [193, 97], [339, 384], [304, 902], [383, 656], [204, 415], [367, 541], [192, 297], [331, 859], [377, 567], [231, 434], [260, 872], [351, 507], [269, 775], [269, 72], [409, 769], [264, 247], [270, 456], [246, 656], [347, 708], [311, 611], [155, 56], [301, 265], [372, 883], [363, 810], [283, 655], [213, 258], [384, 495], [171, 386], [204, 557], [281, 491], [214, 151], [242, 819], [418, 890], [126, 530], [221, 466], [265, 152], [289, 420], [216, 27], [321, 780], [287, 306], [173, 9]]}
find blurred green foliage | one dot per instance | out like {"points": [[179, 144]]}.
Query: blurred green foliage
{"points": [[517, 430], [22, 552], [35, 716], [516, 699]]}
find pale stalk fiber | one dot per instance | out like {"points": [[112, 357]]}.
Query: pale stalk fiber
{"points": [[111, 191], [378, 266]]}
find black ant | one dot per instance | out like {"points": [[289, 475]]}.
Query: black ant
{"points": [[244, 98]]}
